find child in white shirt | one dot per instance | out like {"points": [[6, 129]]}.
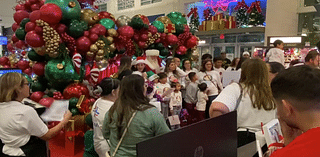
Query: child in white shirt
{"points": [[276, 54], [175, 102], [202, 101], [161, 88]]}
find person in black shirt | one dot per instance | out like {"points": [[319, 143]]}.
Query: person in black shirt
{"points": [[225, 61]]}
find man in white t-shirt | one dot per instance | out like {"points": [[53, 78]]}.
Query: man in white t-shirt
{"points": [[276, 54]]}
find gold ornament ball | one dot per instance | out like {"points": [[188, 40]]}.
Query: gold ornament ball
{"points": [[94, 48], [100, 53], [90, 54], [123, 20], [109, 40], [112, 47]]}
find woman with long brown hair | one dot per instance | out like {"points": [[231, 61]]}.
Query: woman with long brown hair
{"points": [[251, 98], [132, 112], [174, 73], [124, 68]]}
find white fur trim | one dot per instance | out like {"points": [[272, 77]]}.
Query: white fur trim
{"points": [[153, 77], [246, 53], [140, 61], [152, 52]]}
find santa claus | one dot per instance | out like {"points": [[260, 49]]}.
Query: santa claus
{"points": [[153, 61]]}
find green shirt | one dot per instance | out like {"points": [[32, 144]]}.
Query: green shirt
{"points": [[145, 125], [88, 143]]}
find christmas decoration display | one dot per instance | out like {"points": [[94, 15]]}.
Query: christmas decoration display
{"points": [[194, 20], [68, 48], [218, 22], [255, 15], [241, 14], [216, 4]]}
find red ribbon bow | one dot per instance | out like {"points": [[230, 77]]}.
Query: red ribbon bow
{"points": [[194, 12], [241, 5], [207, 14], [255, 5]]}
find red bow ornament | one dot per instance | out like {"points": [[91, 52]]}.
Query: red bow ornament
{"points": [[255, 5], [241, 4], [194, 12]]}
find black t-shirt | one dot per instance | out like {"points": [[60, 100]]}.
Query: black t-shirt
{"points": [[225, 63]]}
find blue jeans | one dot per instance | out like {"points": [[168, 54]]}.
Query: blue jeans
{"points": [[209, 102]]}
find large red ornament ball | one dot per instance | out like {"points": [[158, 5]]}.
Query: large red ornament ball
{"points": [[35, 15], [192, 42], [14, 27], [143, 37], [23, 64], [20, 44], [93, 38], [142, 44], [51, 13], [181, 50], [4, 61], [83, 44], [101, 28], [46, 102], [171, 39], [61, 28], [86, 33], [10, 47], [30, 26], [38, 68], [35, 7], [14, 39], [75, 90], [153, 29], [126, 31], [94, 30], [38, 30], [27, 5], [36, 96], [27, 71], [34, 39], [20, 7], [20, 15]]}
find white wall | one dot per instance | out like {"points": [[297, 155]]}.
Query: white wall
{"points": [[6, 12], [282, 18], [164, 7]]}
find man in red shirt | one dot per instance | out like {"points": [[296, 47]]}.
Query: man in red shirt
{"points": [[297, 95]]}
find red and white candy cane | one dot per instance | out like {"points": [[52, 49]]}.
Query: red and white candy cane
{"points": [[94, 73], [76, 59]]}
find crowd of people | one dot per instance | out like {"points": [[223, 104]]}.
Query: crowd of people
{"points": [[124, 115]]}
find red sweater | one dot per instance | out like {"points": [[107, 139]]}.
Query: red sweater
{"points": [[305, 145]]}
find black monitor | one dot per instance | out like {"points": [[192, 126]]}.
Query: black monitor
{"points": [[213, 137], [9, 70]]}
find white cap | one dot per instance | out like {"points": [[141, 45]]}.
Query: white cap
{"points": [[152, 52], [246, 53]]}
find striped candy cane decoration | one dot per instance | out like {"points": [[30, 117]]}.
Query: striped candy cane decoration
{"points": [[95, 74], [76, 59]]}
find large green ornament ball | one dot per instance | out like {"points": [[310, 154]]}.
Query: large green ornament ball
{"points": [[177, 18], [20, 33], [76, 28], [60, 71], [32, 55], [37, 86], [73, 102], [164, 52], [74, 111], [159, 25], [179, 29], [137, 23], [24, 22], [107, 23], [70, 8]]}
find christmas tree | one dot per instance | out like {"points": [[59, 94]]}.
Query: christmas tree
{"points": [[242, 17], [194, 23], [255, 14]]}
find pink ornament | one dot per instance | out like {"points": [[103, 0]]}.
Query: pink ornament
{"points": [[35, 15], [23, 64], [38, 68], [34, 40], [46, 102], [83, 44], [126, 31], [51, 13], [36, 96], [30, 26], [20, 15]]}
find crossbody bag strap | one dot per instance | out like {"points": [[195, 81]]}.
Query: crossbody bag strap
{"points": [[240, 97], [124, 133], [213, 82]]}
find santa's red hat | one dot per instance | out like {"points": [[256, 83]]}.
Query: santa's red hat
{"points": [[139, 60]]}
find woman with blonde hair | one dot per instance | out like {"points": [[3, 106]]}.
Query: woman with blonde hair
{"points": [[251, 98], [22, 132]]}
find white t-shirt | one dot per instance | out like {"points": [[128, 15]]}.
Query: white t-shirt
{"points": [[175, 99], [220, 70], [18, 122], [248, 117], [275, 55], [180, 75], [202, 101], [99, 109], [161, 88], [209, 77]]}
